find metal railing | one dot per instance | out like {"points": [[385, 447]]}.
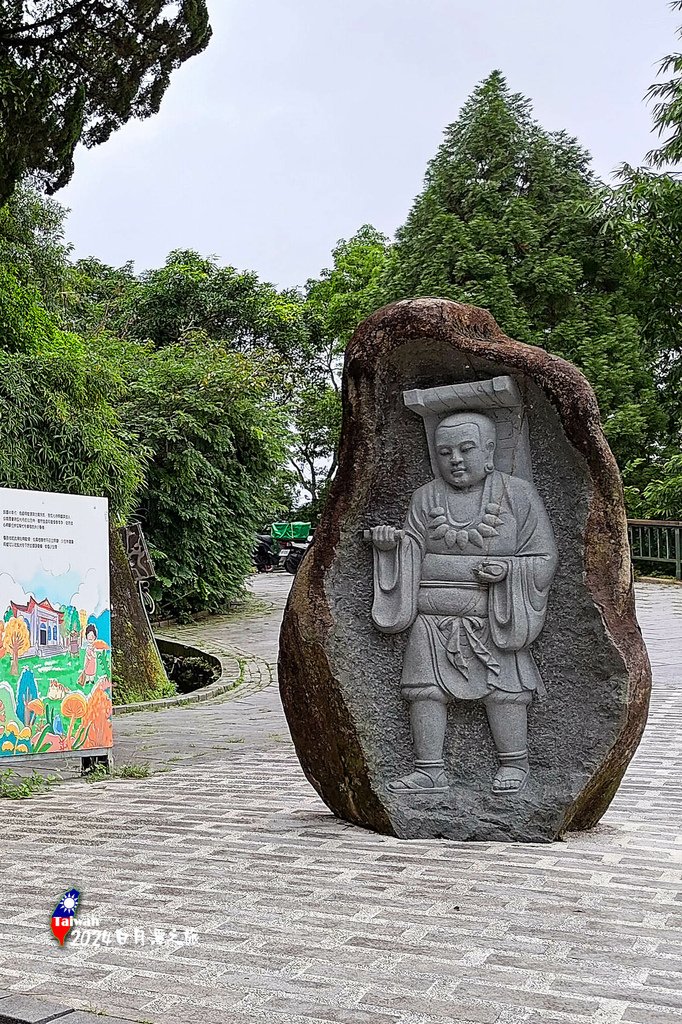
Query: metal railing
{"points": [[657, 541]]}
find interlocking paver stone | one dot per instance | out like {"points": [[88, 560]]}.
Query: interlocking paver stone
{"points": [[302, 918], [81, 1017], [20, 1009]]}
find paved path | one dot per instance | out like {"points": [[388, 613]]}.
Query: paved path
{"points": [[300, 918]]}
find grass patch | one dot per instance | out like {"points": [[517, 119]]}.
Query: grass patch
{"points": [[14, 786], [133, 771], [127, 771], [97, 774]]}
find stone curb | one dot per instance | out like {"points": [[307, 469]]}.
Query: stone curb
{"points": [[230, 677], [16, 1008], [658, 579]]}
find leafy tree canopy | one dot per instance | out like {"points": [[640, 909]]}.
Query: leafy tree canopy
{"points": [[336, 303], [190, 297], [644, 213], [32, 242], [193, 295], [348, 291], [217, 442], [76, 70], [99, 300], [59, 428], [316, 427]]}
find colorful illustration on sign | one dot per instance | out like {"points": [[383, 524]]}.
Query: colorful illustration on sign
{"points": [[55, 629], [63, 917]]}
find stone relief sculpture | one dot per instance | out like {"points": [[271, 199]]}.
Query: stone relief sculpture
{"points": [[469, 576], [464, 576]]}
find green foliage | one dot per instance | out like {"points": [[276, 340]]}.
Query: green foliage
{"points": [[99, 301], [14, 786], [667, 110], [336, 303], [133, 771], [76, 70], [59, 430], [657, 490], [32, 243], [101, 773], [216, 440], [191, 296], [315, 437], [349, 291], [511, 219], [645, 216], [24, 322]]}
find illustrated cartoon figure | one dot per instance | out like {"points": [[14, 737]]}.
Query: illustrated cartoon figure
{"points": [[74, 643], [56, 690], [468, 576], [90, 669]]}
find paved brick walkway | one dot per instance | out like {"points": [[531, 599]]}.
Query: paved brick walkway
{"points": [[300, 918]]}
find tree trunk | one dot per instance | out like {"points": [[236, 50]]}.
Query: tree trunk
{"points": [[138, 672]]}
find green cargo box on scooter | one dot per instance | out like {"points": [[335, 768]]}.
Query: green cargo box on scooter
{"points": [[290, 531]]}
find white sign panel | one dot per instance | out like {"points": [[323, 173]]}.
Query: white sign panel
{"points": [[55, 624]]}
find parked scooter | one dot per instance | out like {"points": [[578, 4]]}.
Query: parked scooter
{"points": [[291, 554], [294, 540], [266, 554]]}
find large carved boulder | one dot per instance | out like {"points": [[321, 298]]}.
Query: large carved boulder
{"points": [[460, 656]]}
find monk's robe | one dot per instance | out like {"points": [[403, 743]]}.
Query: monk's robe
{"points": [[468, 639]]}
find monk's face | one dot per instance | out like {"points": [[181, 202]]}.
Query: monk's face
{"points": [[462, 455]]}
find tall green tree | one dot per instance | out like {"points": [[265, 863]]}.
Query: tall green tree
{"points": [[99, 300], [315, 430], [335, 303], [76, 70], [346, 293], [510, 219], [61, 430], [644, 215]]}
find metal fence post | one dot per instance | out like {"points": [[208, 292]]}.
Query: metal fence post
{"points": [[678, 554]]}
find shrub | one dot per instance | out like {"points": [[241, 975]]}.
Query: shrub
{"points": [[217, 441]]}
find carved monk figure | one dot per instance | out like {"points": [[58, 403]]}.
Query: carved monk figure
{"points": [[469, 576]]}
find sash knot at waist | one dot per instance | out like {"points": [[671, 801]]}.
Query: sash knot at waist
{"points": [[465, 643], [452, 599]]}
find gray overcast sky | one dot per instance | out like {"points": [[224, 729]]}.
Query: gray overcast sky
{"points": [[305, 119]]}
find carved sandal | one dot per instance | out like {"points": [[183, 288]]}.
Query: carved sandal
{"points": [[510, 790], [434, 786], [514, 760]]}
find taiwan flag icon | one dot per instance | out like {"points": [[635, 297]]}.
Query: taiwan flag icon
{"points": [[62, 919]]}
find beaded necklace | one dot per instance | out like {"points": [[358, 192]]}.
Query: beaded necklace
{"points": [[457, 536]]}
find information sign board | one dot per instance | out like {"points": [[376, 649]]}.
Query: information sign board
{"points": [[55, 624]]}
